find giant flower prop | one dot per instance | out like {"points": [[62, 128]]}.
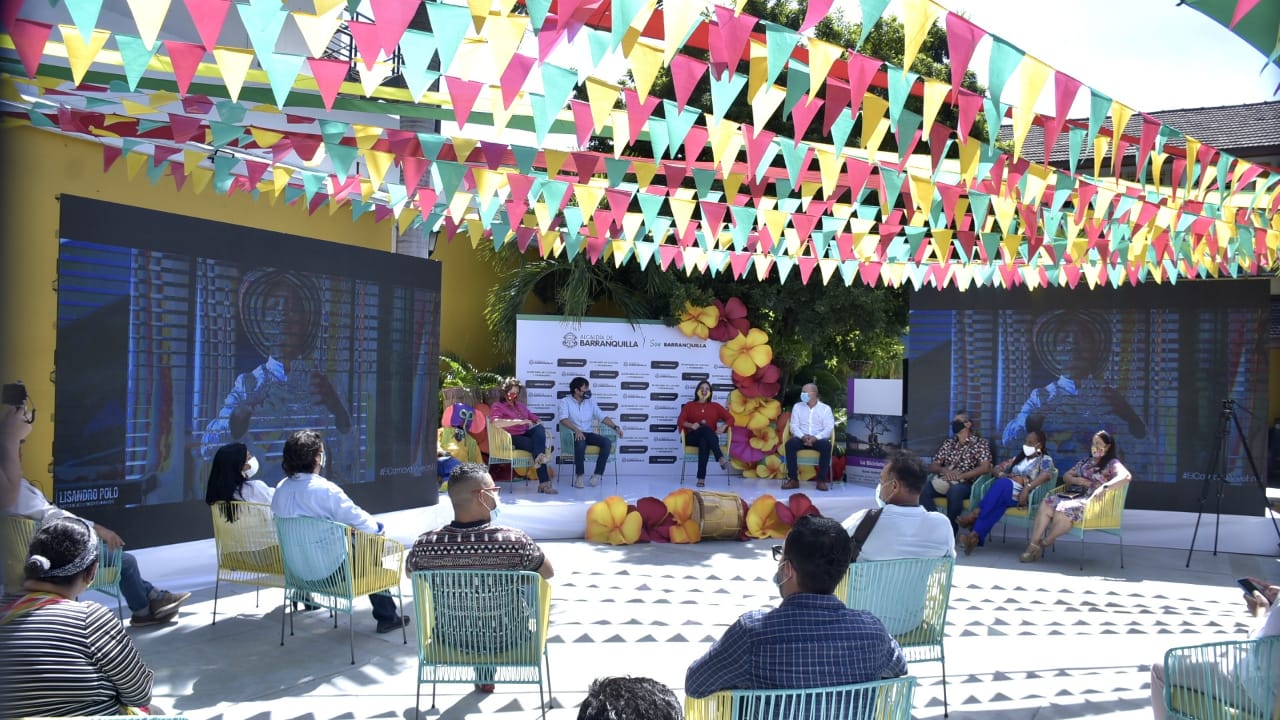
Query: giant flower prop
{"points": [[768, 518], [753, 413], [656, 518], [733, 321], [681, 505], [765, 439], [746, 354], [699, 320], [611, 521], [772, 467], [766, 382]]}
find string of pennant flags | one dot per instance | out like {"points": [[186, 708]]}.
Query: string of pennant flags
{"points": [[944, 208]]}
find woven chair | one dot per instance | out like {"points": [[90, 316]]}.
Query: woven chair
{"points": [[806, 458], [17, 533], [1236, 680], [334, 564], [880, 700], [247, 549], [691, 453], [566, 450], [481, 627], [1023, 517], [1104, 513], [503, 452], [910, 597]]}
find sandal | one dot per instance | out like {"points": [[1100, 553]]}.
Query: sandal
{"points": [[547, 489], [724, 463], [967, 519], [1033, 552], [702, 482], [969, 541]]}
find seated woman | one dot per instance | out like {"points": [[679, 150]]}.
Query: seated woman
{"points": [[61, 657], [1015, 479], [526, 430], [1091, 478], [231, 480], [700, 420]]}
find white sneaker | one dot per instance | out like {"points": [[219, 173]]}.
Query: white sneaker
{"points": [[595, 480], [577, 482]]}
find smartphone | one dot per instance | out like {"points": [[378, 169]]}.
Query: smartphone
{"points": [[1247, 585], [14, 394]]}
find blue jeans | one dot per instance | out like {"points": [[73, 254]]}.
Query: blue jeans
{"points": [[534, 442], [999, 498], [823, 447], [956, 495], [136, 591], [580, 452]]}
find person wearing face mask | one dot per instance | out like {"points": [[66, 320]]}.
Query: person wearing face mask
{"points": [[701, 420], [473, 541], [812, 426], [1015, 479], [231, 479], [580, 413], [811, 639], [527, 432], [961, 459], [306, 493], [1092, 477], [901, 528]]}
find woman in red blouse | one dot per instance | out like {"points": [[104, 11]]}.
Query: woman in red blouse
{"points": [[526, 430], [700, 422]]}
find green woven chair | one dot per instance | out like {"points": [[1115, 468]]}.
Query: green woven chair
{"points": [[1236, 680], [333, 564], [691, 453], [910, 597], [880, 700], [481, 627], [17, 533], [247, 549], [1015, 516], [566, 451]]}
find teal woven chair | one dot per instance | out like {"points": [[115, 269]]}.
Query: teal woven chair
{"points": [[1236, 680], [910, 597], [334, 564], [1015, 516], [691, 453], [17, 533], [481, 627], [566, 451], [880, 700]]}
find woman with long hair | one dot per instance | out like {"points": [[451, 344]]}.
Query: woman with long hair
{"points": [[1015, 479], [700, 421], [231, 480], [527, 432], [1091, 478]]}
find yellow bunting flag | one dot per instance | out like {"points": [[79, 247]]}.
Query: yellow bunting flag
{"points": [[134, 162], [922, 194], [829, 165], [366, 135], [1033, 75], [280, 175], [935, 92], [504, 35], [621, 125], [766, 104], [1099, 153], [874, 108], [678, 18], [555, 160], [822, 55], [149, 15], [645, 61], [459, 204], [463, 147], [588, 197], [191, 160], [758, 74], [318, 30], [488, 182], [644, 172], [501, 114], [379, 162], [371, 80], [602, 96], [200, 178], [234, 65], [917, 17], [479, 12], [79, 54]]}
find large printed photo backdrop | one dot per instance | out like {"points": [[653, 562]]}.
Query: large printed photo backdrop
{"points": [[189, 335], [1152, 365], [641, 375]]}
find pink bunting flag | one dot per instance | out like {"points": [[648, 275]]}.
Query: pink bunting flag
{"points": [[595, 247], [807, 264], [802, 115], [739, 261], [1065, 89], [685, 73], [186, 59], [869, 272], [524, 236], [583, 122], [837, 100], [343, 189], [305, 145], [1243, 7], [1175, 176], [179, 175], [968, 104], [1146, 143], [675, 173], [804, 223], [184, 128], [254, 171], [694, 141], [513, 78], [939, 134], [392, 18], [110, 154], [764, 239], [862, 70], [208, 17], [162, 153], [412, 168], [638, 112], [9, 13], [667, 253], [856, 173], [518, 200], [29, 38], [586, 163], [549, 37], [817, 10], [495, 153], [202, 105], [619, 201], [713, 217], [462, 93], [757, 144], [329, 73], [728, 40], [368, 41], [962, 38]]}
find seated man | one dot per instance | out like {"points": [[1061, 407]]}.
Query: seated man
{"points": [[19, 497], [903, 529], [579, 413], [961, 459], [811, 640], [812, 426], [629, 698], [305, 493]]}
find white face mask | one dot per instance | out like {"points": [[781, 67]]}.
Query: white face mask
{"points": [[252, 469], [496, 510], [880, 502], [1028, 451], [804, 397]]}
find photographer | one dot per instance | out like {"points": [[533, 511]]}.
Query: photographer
{"points": [[149, 605]]}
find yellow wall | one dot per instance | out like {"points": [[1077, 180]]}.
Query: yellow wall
{"points": [[38, 166]]}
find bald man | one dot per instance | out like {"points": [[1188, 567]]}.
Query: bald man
{"points": [[812, 426]]}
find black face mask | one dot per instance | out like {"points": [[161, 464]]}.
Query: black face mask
{"points": [[956, 426], [586, 395]]}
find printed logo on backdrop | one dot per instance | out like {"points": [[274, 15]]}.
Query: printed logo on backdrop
{"points": [[634, 385], [662, 459], [571, 362], [539, 384], [663, 397], [663, 365], [571, 340], [662, 428], [603, 374], [694, 377], [633, 417]]}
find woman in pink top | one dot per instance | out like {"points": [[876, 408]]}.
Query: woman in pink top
{"points": [[526, 430]]}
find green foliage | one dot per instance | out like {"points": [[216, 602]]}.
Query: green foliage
{"points": [[458, 373]]}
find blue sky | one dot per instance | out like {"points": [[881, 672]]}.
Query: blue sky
{"points": [[1148, 54]]}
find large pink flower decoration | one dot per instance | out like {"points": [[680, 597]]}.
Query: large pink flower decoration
{"points": [[733, 320], [765, 439], [744, 450], [656, 520], [766, 382], [698, 320], [746, 354]]}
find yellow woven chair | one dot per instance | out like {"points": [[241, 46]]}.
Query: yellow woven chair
{"points": [[691, 453], [17, 533], [503, 452], [247, 549], [482, 627], [1104, 513], [879, 700], [335, 564], [805, 458], [1023, 517]]}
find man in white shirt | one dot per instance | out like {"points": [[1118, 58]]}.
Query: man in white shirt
{"points": [[812, 426], [19, 497], [904, 529], [580, 413], [304, 493]]}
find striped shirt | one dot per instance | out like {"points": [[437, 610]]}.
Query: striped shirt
{"points": [[69, 658], [809, 641], [476, 545]]}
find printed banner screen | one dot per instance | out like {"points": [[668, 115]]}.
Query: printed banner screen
{"points": [[177, 335], [1153, 365]]}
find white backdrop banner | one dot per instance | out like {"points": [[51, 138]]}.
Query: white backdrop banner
{"points": [[640, 376]]}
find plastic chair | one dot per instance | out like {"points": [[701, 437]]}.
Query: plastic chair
{"points": [[17, 533], [1015, 516], [1235, 680], [691, 453], [881, 700], [247, 549], [503, 452], [806, 458], [481, 627], [910, 597], [335, 563], [566, 450], [1103, 513]]}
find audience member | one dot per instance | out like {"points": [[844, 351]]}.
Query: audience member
{"points": [[1226, 674], [231, 480], [629, 698], [812, 426], [60, 657], [149, 605], [305, 493], [811, 640], [701, 420], [1091, 478], [580, 413], [961, 459], [1015, 479], [900, 528], [526, 431]]}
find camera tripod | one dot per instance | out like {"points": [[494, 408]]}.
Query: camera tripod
{"points": [[1217, 470]]}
